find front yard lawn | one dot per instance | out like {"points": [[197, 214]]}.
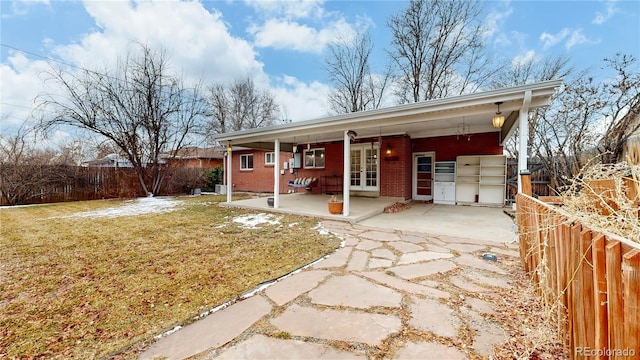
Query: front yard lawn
{"points": [[75, 282]]}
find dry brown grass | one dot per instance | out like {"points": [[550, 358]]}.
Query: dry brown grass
{"points": [[606, 198], [89, 287]]}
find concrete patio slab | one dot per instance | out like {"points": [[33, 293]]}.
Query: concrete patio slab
{"points": [[355, 292], [290, 288], [213, 331], [428, 350], [262, 347], [337, 325]]}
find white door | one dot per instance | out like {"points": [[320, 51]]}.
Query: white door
{"points": [[423, 176], [365, 167]]}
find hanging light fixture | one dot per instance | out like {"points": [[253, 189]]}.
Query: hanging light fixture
{"points": [[229, 148], [498, 119], [464, 130]]}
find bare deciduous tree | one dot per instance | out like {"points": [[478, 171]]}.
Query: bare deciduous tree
{"points": [[348, 67], [437, 47], [529, 71], [622, 106], [139, 106], [240, 106]]}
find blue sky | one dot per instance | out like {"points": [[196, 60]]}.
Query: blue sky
{"points": [[280, 44]]}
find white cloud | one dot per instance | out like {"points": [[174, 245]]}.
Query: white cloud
{"points": [[21, 7], [525, 58], [493, 21], [301, 101], [286, 34], [19, 86], [573, 37], [550, 40], [602, 18], [292, 9]]}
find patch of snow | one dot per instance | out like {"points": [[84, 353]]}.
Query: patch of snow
{"points": [[251, 221], [140, 206], [293, 224]]}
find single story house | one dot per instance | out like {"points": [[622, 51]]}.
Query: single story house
{"points": [[446, 150], [195, 157]]}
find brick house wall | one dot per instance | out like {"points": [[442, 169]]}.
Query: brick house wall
{"points": [[447, 148], [260, 178], [396, 168]]}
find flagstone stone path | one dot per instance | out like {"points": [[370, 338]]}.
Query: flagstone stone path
{"points": [[385, 294]]}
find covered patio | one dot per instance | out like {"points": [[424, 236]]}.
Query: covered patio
{"points": [[389, 152], [316, 205], [470, 222]]}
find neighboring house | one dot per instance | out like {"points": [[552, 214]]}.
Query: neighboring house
{"points": [[445, 150], [111, 161], [195, 157]]}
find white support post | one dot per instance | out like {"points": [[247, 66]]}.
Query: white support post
{"points": [[347, 174], [276, 174], [523, 136], [229, 170]]}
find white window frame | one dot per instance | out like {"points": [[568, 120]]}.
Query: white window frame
{"points": [[244, 161], [271, 155], [313, 164]]}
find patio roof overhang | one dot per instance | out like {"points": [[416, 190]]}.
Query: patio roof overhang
{"points": [[430, 118]]}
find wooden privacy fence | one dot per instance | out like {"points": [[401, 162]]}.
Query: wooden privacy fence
{"points": [[594, 278]]}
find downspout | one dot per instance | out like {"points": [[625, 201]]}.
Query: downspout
{"points": [[523, 136], [346, 173], [276, 175]]}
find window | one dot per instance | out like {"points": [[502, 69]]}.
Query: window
{"points": [[246, 162], [314, 158], [270, 158]]}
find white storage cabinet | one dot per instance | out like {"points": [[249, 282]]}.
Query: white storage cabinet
{"points": [[444, 187], [481, 180]]}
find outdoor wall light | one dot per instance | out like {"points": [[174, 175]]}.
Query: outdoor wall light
{"points": [[388, 150], [498, 119], [308, 146], [352, 135]]}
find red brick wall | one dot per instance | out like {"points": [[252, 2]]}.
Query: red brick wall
{"points": [[447, 148], [260, 179], [395, 168]]}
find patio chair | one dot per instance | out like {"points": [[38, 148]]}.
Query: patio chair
{"points": [[307, 183]]}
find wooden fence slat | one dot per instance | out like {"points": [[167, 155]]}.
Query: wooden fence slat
{"points": [[586, 277], [601, 334], [614, 296], [631, 280], [595, 276], [577, 305]]}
